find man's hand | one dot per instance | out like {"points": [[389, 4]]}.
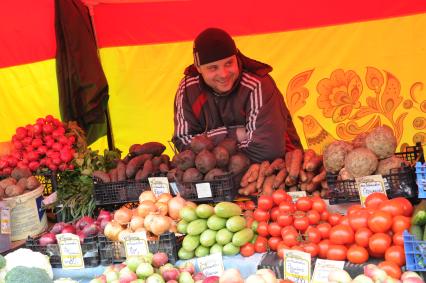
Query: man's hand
{"points": [[241, 134]]}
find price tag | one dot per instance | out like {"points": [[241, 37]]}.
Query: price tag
{"points": [[159, 185], [324, 267], [5, 221], [70, 250], [297, 266], [296, 195], [203, 190], [368, 185], [211, 265], [175, 189], [136, 244]]}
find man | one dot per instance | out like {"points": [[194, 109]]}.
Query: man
{"points": [[224, 94]]}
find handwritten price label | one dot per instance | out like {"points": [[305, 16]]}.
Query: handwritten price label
{"points": [[323, 268], [203, 190], [159, 185], [211, 265], [368, 185], [297, 266], [296, 195], [136, 244], [5, 221], [70, 250]]}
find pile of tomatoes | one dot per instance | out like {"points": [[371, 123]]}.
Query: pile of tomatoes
{"points": [[307, 225]]}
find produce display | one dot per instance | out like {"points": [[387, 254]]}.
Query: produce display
{"points": [[20, 182]]}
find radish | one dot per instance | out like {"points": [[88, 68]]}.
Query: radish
{"points": [[17, 144], [21, 133], [37, 143], [47, 129], [34, 165], [56, 146]]}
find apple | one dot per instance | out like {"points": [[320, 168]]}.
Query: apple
{"points": [[133, 262], [185, 277], [144, 270]]}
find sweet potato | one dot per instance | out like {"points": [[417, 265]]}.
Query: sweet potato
{"points": [[135, 164], [267, 188], [121, 171], [103, 176], [175, 174], [156, 161], [320, 177], [261, 178], [113, 175], [14, 190], [296, 163], [309, 153], [279, 179], [253, 170], [147, 169], [154, 148], [314, 163], [165, 158], [287, 160], [32, 183]]}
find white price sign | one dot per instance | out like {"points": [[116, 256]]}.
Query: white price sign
{"points": [[368, 185], [211, 265], [323, 268], [203, 190], [159, 185], [296, 195], [297, 266], [136, 244], [70, 250]]}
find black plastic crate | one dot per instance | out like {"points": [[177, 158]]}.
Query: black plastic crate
{"points": [[401, 182], [89, 249], [112, 252], [118, 192], [223, 188], [412, 154]]}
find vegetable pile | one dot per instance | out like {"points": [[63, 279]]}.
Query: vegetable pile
{"points": [[20, 182]]}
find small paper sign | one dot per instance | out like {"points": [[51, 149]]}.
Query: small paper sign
{"points": [[136, 244], [368, 185], [211, 265], [203, 190], [159, 185], [175, 189], [297, 266], [296, 195], [323, 267], [70, 250], [5, 221]]}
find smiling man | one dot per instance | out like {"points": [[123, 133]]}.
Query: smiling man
{"points": [[225, 94]]}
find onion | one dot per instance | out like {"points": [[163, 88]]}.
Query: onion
{"points": [[141, 229], [175, 205], [147, 195], [136, 222], [160, 225], [124, 234], [191, 204], [112, 229], [165, 197], [162, 207], [173, 226], [123, 215], [149, 219], [46, 239], [146, 207]]}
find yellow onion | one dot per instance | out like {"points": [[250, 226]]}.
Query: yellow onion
{"points": [[124, 234], [149, 219], [123, 215], [146, 207], [162, 207], [112, 229], [173, 226], [136, 222], [147, 195], [160, 225], [165, 197], [175, 205]]}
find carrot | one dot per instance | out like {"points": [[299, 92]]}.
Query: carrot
{"points": [[316, 193], [251, 171], [261, 178], [324, 184], [280, 178], [249, 189], [254, 173], [309, 153], [281, 186], [314, 163], [309, 176], [320, 177], [312, 186], [296, 162], [287, 160], [303, 186], [290, 181], [267, 185], [303, 176], [276, 165]]}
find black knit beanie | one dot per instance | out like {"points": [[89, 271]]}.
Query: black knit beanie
{"points": [[213, 44]]}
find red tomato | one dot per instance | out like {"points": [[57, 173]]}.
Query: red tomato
{"points": [[401, 223], [303, 204], [297, 248], [242, 205], [341, 235], [247, 249], [249, 222], [362, 235], [279, 196], [324, 215], [273, 242], [274, 229], [353, 208], [358, 219], [275, 212], [285, 220], [379, 243], [287, 207], [344, 220], [290, 236], [380, 221], [398, 239], [265, 202], [250, 205], [262, 229], [323, 248], [334, 218], [357, 254], [261, 244], [261, 215], [408, 207], [301, 223], [311, 248], [373, 200], [391, 268], [395, 254], [318, 204], [337, 252], [393, 207], [280, 249], [314, 216], [313, 235], [324, 229]]}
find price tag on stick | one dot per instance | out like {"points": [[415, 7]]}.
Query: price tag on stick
{"points": [[297, 266], [368, 185], [211, 265], [159, 185], [70, 250], [136, 244]]}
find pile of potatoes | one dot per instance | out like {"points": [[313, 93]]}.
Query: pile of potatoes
{"points": [[298, 171], [368, 154], [21, 181], [142, 161], [205, 161]]}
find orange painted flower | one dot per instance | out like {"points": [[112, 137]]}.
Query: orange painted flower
{"points": [[339, 94]]}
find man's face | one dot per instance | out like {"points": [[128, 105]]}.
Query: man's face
{"points": [[220, 75]]}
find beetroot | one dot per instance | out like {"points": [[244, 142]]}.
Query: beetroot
{"points": [[47, 239], [84, 221], [68, 228], [159, 259], [57, 228], [104, 214], [90, 230]]}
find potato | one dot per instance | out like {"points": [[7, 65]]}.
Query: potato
{"points": [[381, 141], [32, 183], [361, 162], [14, 190], [19, 173], [6, 182], [334, 156]]}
